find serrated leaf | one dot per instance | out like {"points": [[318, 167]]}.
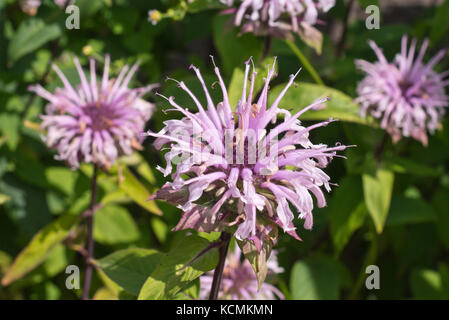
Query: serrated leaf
{"points": [[137, 191], [377, 191], [130, 268], [31, 34], [339, 107], [40, 247], [173, 274], [113, 224]]}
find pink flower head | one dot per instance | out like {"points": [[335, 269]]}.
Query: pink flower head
{"points": [[278, 17], [233, 172], [240, 282], [407, 94], [96, 121]]}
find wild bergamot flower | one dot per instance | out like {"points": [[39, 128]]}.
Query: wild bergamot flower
{"points": [[96, 121], [238, 170], [406, 94]]}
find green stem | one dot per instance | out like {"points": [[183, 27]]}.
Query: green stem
{"points": [[305, 62], [369, 260]]}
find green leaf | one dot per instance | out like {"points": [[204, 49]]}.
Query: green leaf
{"points": [[407, 166], [55, 262], [377, 190], [10, 128], [405, 210], [315, 279], [114, 224], [200, 5], [346, 211], [31, 34], [234, 49], [62, 179], [177, 270], [426, 284], [366, 3], [339, 107], [439, 24], [160, 229], [235, 87], [40, 247], [258, 260], [137, 191], [4, 198], [130, 268]]}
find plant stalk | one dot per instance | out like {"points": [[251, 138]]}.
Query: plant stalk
{"points": [[218, 273], [90, 236], [307, 65]]}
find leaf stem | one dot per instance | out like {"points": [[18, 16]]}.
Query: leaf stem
{"points": [[266, 49], [90, 238], [342, 40], [302, 58], [380, 148], [218, 273]]}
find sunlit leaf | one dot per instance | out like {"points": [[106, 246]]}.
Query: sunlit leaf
{"points": [[40, 247], [114, 224], [130, 268], [377, 190], [137, 191], [340, 106], [174, 273]]}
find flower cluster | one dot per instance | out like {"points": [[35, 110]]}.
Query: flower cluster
{"points": [[278, 17], [240, 282], [233, 173], [96, 121], [407, 94]]}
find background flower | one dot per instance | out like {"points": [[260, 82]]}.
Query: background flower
{"points": [[240, 282], [97, 121], [280, 17], [406, 94]]}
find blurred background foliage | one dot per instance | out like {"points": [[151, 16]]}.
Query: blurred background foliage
{"points": [[391, 210]]}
